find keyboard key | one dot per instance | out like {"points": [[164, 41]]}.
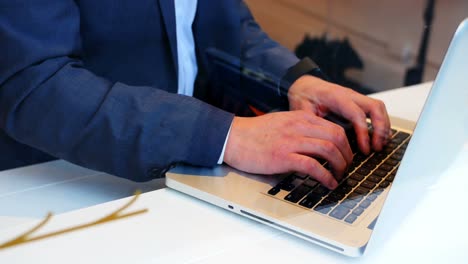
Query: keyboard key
{"points": [[372, 197], [325, 206], [384, 184], [400, 151], [375, 179], [349, 203], [397, 156], [298, 193], [328, 201], [311, 200], [380, 173], [307, 203], [375, 159], [321, 190], [377, 191], [401, 136], [288, 179], [311, 183], [356, 176], [387, 150], [359, 157], [354, 165], [380, 155], [352, 195], [369, 165], [323, 209], [386, 167], [355, 196], [362, 190], [404, 145], [368, 184], [343, 188], [358, 211], [351, 218], [286, 183], [390, 178], [336, 196], [274, 191], [352, 183], [364, 204], [363, 171], [287, 187], [340, 212]]}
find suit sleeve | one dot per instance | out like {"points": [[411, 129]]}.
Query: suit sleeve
{"points": [[258, 50], [50, 101]]}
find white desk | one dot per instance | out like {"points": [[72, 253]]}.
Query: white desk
{"points": [[30, 192], [179, 229]]}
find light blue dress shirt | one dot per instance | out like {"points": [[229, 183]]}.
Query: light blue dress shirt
{"points": [[185, 14], [186, 59]]}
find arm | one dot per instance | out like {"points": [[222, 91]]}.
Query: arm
{"points": [[50, 101], [292, 141]]}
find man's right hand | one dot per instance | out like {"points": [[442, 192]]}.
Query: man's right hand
{"points": [[289, 142]]}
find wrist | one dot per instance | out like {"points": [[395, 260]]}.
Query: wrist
{"points": [[223, 151], [304, 67], [232, 143]]}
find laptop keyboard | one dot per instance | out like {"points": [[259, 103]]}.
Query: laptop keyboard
{"points": [[366, 179]]}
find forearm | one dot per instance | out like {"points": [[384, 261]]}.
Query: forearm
{"points": [[123, 130], [51, 101]]}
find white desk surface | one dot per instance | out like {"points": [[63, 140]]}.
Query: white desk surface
{"points": [[31, 192], [180, 229]]}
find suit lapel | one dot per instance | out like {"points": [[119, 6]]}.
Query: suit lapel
{"points": [[168, 13]]}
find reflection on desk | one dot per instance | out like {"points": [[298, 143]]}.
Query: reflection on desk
{"points": [[58, 186]]}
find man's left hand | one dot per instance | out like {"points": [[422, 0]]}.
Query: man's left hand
{"points": [[321, 97]]}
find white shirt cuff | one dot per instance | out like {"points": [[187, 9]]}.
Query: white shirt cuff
{"points": [[221, 157]]}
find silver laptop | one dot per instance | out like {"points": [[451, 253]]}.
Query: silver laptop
{"points": [[343, 219]]}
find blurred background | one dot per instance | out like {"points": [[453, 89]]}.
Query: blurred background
{"points": [[368, 45]]}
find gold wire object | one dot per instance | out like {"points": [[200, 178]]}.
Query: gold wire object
{"points": [[116, 215]]}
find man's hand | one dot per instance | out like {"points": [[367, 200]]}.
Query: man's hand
{"points": [[293, 141], [289, 141], [320, 97]]}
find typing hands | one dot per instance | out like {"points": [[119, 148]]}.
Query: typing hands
{"points": [[321, 98], [292, 141]]}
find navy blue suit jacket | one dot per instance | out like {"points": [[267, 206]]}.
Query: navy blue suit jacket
{"points": [[95, 82]]}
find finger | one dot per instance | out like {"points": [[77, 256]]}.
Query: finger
{"points": [[312, 167], [382, 131], [380, 120], [325, 150], [325, 131], [356, 115], [300, 104], [309, 116], [332, 133]]}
